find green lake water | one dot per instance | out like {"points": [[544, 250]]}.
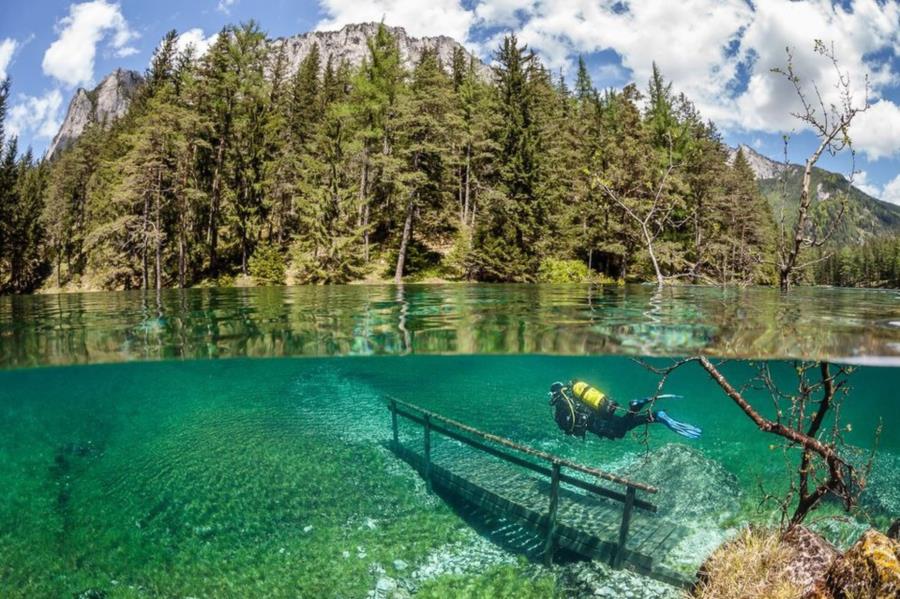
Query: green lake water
{"points": [[134, 464]]}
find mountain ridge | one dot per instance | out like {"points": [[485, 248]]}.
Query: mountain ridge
{"points": [[864, 216], [110, 99], [105, 103]]}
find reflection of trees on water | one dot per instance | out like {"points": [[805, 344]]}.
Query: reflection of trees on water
{"points": [[364, 320]]}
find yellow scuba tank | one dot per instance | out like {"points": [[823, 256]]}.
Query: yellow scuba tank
{"points": [[589, 396]]}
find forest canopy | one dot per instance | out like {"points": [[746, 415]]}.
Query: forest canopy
{"points": [[232, 165]]}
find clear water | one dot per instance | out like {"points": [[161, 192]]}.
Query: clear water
{"points": [[861, 325], [140, 476]]}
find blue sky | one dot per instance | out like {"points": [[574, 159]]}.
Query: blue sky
{"points": [[719, 52]]}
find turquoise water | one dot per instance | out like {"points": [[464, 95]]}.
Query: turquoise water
{"points": [[269, 477], [450, 319]]}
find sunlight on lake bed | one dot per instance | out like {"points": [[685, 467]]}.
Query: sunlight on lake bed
{"points": [[271, 478]]}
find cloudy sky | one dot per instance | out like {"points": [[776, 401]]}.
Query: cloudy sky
{"points": [[719, 52]]}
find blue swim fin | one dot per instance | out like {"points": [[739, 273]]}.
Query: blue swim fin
{"points": [[685, 430]]}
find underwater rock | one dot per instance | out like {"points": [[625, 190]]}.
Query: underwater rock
{"points": [[870, 568], [894, 531], [400, 565], [755, 564], [388, 588], [472, 555], [811, 556], [695, 485]]}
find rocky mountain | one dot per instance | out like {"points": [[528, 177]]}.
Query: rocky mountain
{"points": [[110, 100], [763, 166], [349, 43], [103, 104], [864, 216]]}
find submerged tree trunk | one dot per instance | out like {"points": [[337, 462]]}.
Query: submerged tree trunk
{"points": [[214, 209], [404, 240], [364, 204], [158, 231], [145, 230]]}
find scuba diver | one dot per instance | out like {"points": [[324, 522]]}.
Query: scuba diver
{"points": [[579, 408]]}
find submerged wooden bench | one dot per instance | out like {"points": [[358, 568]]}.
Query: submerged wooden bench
{"points": [[562, 500]]}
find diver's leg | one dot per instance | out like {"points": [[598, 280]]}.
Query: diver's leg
{"points": [[634, 419]]}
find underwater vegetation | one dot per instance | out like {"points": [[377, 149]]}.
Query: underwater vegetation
{"points": [[271, 478]]}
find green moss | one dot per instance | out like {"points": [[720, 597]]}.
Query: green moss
{"points": [[517, 581], [210, 499]]}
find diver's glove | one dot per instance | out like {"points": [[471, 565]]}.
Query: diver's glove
{"points": [[685, 430]]}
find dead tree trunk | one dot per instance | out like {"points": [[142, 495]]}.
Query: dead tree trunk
{"points": [[831, 125], [404, 241]]}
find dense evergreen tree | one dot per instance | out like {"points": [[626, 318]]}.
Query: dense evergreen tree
{"points": [[22, 188], [238, 163], [508, 238]]}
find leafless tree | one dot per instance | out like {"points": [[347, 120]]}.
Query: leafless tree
{"points": [[808, 420], [652, 217], [831, 124]]}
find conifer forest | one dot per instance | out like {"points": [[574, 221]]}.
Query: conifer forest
{"points": [[228, 167]]}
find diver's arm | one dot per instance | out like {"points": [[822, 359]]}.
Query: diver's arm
{"points": [[636, 404]]}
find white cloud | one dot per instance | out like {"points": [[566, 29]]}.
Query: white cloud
{"points": [[776, 24], [7, 49], [224, 6], [195, 38], [70, 59], [891, 191], [504, 13], [877, 130], [718, 52], [861, 182], [702, 45], [38, 115], [436, 17]]}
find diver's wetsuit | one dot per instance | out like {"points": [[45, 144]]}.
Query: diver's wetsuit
{"points": [[612, 426], [579, 408]]}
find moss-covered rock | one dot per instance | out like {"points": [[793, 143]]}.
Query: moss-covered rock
{"points": [[696, 486], [871, 568]]}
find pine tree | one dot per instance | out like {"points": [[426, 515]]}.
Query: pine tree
{"points": [[377, 93], [249, 54], [584, 87], [424, 146], [507, 240], [327, 250]]}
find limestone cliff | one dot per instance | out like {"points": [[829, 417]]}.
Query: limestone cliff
{"points": [[762, 166], [102, 105], [349, 43]]}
